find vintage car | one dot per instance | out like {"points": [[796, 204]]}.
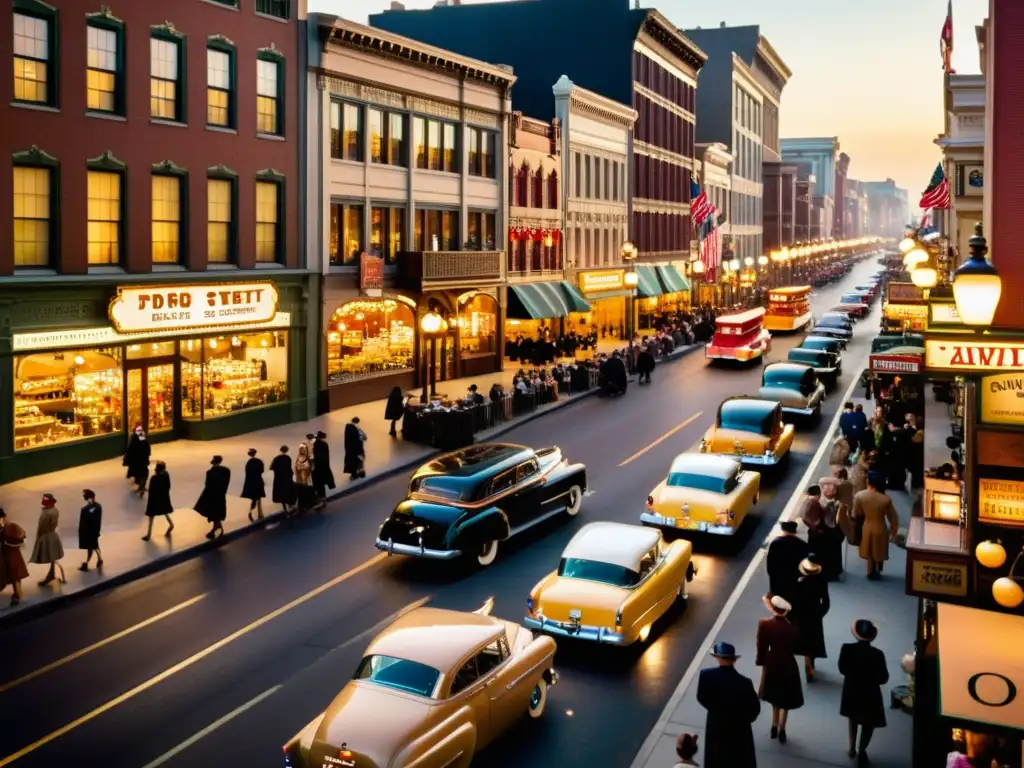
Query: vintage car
{"points": [[826, 364], [613, 582], [795, 386], [751, 431], [739, 337], [825, 344], [867, 289], [854, 304], [884, 342], [703, 493], [789, 309], [432, 689], [468, 501], [841, 335], [836, 320]]}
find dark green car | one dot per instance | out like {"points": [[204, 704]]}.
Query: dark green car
{"points": [[825, 344], [825, 364]]}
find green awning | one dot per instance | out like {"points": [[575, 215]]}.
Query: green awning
{"points": [[542, 301], [648, 286], [672, 279]]}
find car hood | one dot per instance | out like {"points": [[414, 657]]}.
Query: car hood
{"points": [[721, 440], [597, 603]]}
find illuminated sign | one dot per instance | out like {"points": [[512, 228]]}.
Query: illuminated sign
{"points": [[945, 314], [905, 311], [973, 355], [145, 309], [939, 578], [895, 363], [1002, 399], [594, 282], [904, 293], [371, 272], [1001, 502]]}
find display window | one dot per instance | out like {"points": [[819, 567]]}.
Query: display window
{"points": [[478, 326], [222, 375], [69, 395], [607, 317], [369, 338]]}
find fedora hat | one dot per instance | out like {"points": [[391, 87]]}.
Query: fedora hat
{"points": [[865, 630], [779, 606], [726, 651], [809, 566]]}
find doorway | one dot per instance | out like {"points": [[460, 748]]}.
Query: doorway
{"points": [[444, 356], [150, 396]]}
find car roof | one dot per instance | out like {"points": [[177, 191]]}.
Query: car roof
{"points": [[613, 543], [704, 464], [749, 403], [819, 339], [483, 459], [788, 370], [436, 637], [806, 352], [741, 318]]}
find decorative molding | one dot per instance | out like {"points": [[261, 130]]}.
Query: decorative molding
{"points": [[221, 40], [478, 117], [657, 153], [34, 156], [270, 53], [586, 149], [168, 168], [104, 15], [221, 170], [381, 96], [431, 107], [168, 29], [34, 5], [641, 205], [662, 101], [270, 174], [106, 162], [665, 33]]}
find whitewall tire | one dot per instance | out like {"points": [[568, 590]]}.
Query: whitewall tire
{"points": [[488, 553], [538, 700], [574, 501]]}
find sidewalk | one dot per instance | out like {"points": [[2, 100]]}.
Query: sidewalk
{"points": [[817, 733], [126, 557]]}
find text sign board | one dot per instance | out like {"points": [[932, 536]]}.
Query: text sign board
{"points": [[938, 578], [1001, 502], [895, 364], [1002, 399], [904, 293], [596, 282], [371, 272], [973, 355], [146, 309]]}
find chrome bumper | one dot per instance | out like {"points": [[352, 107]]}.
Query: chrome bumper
{"points": [[764, 460], [697, 527], [601, 635], [412, 550]]}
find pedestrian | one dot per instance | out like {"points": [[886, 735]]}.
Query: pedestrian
{"points": [[136, 458], [48, 549], [859, 471], [90, 520], [880, 526], [213, 501], [864, 673], [394, 411], [812, 515], [783, 560], [686, 747], [915, 450], [645, 361], [283, 489], [809, 611], [849, 424], [12, 564], [253, 487], [840, 453], [305, 498], [777, 640], [732, 707], [323, 476], [355, 449], [159, 502]]}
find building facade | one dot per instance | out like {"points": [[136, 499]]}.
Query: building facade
{"points": [[805, 216], [157, 275], [821, 156], [407, 180], [963, 153], [839, 221], [715, 177], [856, 210], [779, 205], [888, 208]]}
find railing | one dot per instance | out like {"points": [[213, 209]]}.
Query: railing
{"points": [[458, 265], [279, 8]]}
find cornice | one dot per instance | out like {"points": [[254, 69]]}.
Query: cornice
{"points": [[607, 154], [747, 76], [669, 36], [657, 153], [594, 104], [641, 205], [663, 102], [772, 57]]}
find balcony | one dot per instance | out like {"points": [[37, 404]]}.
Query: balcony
{"points": [[536, 267], [433, 270]]}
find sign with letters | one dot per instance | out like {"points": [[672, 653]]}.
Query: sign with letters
{"points": [[371, 272], [895, 363], [944, 314], [1001, 502], [904, 293], [938, 578], [145, 309], [1002, 399], [597, 282], [981, 668], [973, 355]]}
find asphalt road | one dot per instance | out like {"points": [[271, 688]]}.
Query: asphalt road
{"points": [[218, 661]]}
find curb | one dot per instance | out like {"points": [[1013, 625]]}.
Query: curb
{"points": [[59, 602]]}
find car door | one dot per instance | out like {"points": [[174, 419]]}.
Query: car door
{"points": [[508, 696], [525, 502], [468, 687]]}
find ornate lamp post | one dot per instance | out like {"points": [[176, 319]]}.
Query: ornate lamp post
{"points": [[976, 284], [697, 271], [432, 325], [631, 279]]}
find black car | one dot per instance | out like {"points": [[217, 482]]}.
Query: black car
{"points": [[825, 364], [835, 320], [466, 502], [841, 335], [825, 344]]}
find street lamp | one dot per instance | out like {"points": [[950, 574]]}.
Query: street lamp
{"points": [[748, 261], [976, 284], [631, 280], [914, 257], [432, 325]]}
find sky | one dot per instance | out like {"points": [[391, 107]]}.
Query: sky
{"points": [[868, 72]]}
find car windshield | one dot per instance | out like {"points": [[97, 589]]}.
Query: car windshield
{"points": [[441, 487], [400, 674], [592, 570], [850, 300], [696, 482], [834, 321]]}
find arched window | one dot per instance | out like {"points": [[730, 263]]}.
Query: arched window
{"points": [[538, 189], [368, 338], [522, 187], [553, 190], [478, 325]]}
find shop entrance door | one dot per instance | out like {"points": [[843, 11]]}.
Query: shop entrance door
{"points": [[444, 357], [151, 396]]}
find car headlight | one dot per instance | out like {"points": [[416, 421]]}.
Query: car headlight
{"points": [[650, 502]]}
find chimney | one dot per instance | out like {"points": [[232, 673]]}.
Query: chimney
{"points": [[396, 6], [722, 25]]}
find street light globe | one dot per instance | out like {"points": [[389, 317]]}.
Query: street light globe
{"points": [[785, 254], [1007, 592], [924, 276], [977, 285], [915, 257], [762, 260], [431, 322], [697, 267], [748, 261], [628, 250], [631, 279], [906, 245]]}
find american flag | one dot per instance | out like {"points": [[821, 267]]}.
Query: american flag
{"points": [[925, 223], [700, 206], [946, 41], [704, 215], [936, 196]]}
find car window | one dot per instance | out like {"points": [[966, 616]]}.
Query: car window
{"points": [[526, 470], [465, 677], [402, 674], [647, 562], [492, 656], [697, 482], [593, 570], [504, 481], [448, 488]]}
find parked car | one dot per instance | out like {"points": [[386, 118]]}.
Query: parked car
{"points": [[826, 344], [825, 364], [795, 386], [884, 342], [855, 304], [469, 501], [613, 582], [704, 494], [835, 320], [432, 689], [751, 431], [841, 335]]}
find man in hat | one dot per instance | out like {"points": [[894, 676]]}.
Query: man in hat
{"points": [[732, 706], [783, 560], [323, 475], [213, 501], [864, 673]]}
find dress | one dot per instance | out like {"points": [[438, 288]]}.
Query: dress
{"points": [[809, 611], [48, 547], [283, 489], [877, 510], [159, 500], [777, 640], [136, 458], [213, 501], [864, 673], [395, 409], [323, 476], [355, 450], [12, 564], [253, 486], [90, 519], [783, 563]]}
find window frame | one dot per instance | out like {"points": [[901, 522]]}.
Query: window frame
{"points": [[221, 44], [337, 143], [38, 159], [387, 209], [50, 15], [106, 21], [387, 118], [223, 173], [272, 56], [485, 166], [107, 163], [167, 33], [336, 260], [270, 176], [269, 13], [169, 169]]}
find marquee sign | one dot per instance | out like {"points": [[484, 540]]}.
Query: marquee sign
{"points": [[1001, 502], [596, 282], [896, 363], [146, 309], [973, 355], [1002, 399], [904, 293]]}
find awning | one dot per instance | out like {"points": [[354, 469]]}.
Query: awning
{"points": [[671, 278], [648, 286], [541, 301]]}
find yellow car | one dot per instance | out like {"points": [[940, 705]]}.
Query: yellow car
{"points": [[432, 689], [750, 430], [703, 493], [613, 583]]}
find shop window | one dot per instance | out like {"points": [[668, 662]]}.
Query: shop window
{"points": [[60, 397], [268, 221], [346, 234], [478, 326], [226, 374], [387, 137], [450, 144], [387, 226], [434, 145], [480, 234], [269, 94], [33, 222], [370, 338], [34, 53], [437, 230]]}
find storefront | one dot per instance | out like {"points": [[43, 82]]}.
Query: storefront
{"points": [[543, 310], [198, 361], [905, 308], [608, 297], [661, 292]]}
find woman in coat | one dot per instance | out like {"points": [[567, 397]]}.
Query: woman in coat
{"points": [[880, 526], [355, 449], [253, 487], [777, 642], [159, 502], [283, 490], [645, 361], [48, 549], [12, 564], [859, 472], [136, 458], [840, 455], [864, 673], [809, 611], [90, 520], [323, 475], [395, 409], [213, 501]]}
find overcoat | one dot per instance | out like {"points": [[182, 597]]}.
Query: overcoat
{"points": [[777, 642], [808, 614], [732, 707], [355, 449], [864, 673], [12, 564], [877, 511], [395, 409], [90, 520], [322, 473], [783, 563], [253, 486], [159, 500], [283, 489], [136, 458], [213, 501], [48, 547]]}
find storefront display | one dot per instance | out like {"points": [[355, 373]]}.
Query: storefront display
{"points": [[653, 311], [368, 338], [478, 326], [235, 373], [608, 316], [905, 318]]}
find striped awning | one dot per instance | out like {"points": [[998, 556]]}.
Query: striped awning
{"points": [[672, 279], [541, 301], [648, 285]]}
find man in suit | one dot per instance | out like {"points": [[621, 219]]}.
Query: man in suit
{"points": [[732, 706], [783, 561], [853, 424]]}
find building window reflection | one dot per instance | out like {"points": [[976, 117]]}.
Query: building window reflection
{"points": [[436, 230], [478, 326], [369, 338]]}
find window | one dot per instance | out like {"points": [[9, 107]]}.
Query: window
{"points": [[65, 396], [376, 128], [586, 176], [419, 137], [33, 52], [269, 94], [102, 70], [220, 221], [104, 216], [346, 131], [594, 570], [436, 230], [166, 223], [387, 226], [165, 68], [578, 184], [33, 207], [480, 233], [368, 338], [277, 8], [268, 221], [465, 677], [387, 137], [450, 143], [219, 93], [434, 162], [478, 326], [482, 153], [403, 675], [346, 234], [396, 140], [553, 190]]}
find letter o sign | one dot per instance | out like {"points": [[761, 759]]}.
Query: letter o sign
{"points": [[1008, 696]]}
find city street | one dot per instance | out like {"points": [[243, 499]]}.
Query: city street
{"points": [[220, 660]]}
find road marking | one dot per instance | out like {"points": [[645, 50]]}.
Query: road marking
{"points": [[647, 748], [89, 649], [195, 658], [662, 439]]}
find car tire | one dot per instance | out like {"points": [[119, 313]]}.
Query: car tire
{"points": [[574, 501], [488, 553], [538, 700]]}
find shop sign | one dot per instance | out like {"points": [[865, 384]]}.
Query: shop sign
{"points": [[973, 355], [970, 180], [1001, 502], [371, 272], [945, 314], [895, 364], [145, 309], [1002, 399], [932, 577], [904, 293], [596, 282], [905, 312], [981, 668]]}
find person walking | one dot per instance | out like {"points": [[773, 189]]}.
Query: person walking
{"points": [[850, 425], [645, 361], [90, 520], [839, 456], [48, 548], [12, 564], [213, 501], [732, 706], [880, 526], [686, 748], [783, 560], [283, 489], [809, 611], [813, 515], [136, 458], [777, 640], [253, 487], [864, 673], [859, 472], [305, 498], [395, 409], [323, 475], [355, 449], [159, 502]]}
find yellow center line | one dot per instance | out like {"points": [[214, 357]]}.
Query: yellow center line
{"points": [[89, 649], [655, 444], [197, 657]]}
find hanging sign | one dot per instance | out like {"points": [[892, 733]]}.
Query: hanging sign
{"points": [[973, 355], [371, 272], [1002, 399], [1001, 502], [895, 363], [904, 293], [944, 314], [145, 309]]}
